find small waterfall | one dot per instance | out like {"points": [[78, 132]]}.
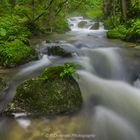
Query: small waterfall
{"points": [[101, 26], [106, 62], [74, 21], [84, 61], [118, 96], [137, 83], [44, 61]]}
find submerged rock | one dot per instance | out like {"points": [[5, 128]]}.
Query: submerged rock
{"points": [[52, 41], [82, 24], [95, 26], [47, 94], [58, 51]]}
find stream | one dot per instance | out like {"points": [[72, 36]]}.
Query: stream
{"points": [[109, 82]]}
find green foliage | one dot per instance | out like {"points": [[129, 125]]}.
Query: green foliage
{"points": [[111, 22], [14, 43], [89, 8], [63, 71], [94, 9], [60, 25], [12, 28], [69, 69], [14, 52], [117, 33], [129, 31], [133, 33], [94, 14], [114, 34]]}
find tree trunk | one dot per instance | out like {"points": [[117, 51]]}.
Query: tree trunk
{"points": [[125, 7]]}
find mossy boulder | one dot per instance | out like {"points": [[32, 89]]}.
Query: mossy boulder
{"points": [[15, 52], [58, 51], [49, 41], [95, 26], [82, 24], [47, 94]]}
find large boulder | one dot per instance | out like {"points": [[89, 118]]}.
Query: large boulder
{"points": [[95, 26], [47, 94], [58, 51], [82, 24]]}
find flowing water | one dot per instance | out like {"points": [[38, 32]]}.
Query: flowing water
{"points": [[110, 85]]}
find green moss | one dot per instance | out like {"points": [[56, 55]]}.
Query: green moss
{"points": [[58, 51], [14, 53], [52, 96], [51, 73], [95, 26], [81, 24]]}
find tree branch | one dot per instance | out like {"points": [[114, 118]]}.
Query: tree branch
{"points": [[48, 7]]}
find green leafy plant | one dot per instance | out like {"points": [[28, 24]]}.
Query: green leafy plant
{"points": [[61, 71], [14, 52], [11, 29], [69, 69]]}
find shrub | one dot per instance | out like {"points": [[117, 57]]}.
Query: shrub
{"points": [[117, 33], [133, 33], [11, 29], [14, 52], [60, 24], [111, 22], [69, 69], [129, 31]]}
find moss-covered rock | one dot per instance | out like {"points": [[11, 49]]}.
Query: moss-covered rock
{"points": [[82, 24], [95, 26], [47, 94], [58, 51], [15, 52], [49, 41]]}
